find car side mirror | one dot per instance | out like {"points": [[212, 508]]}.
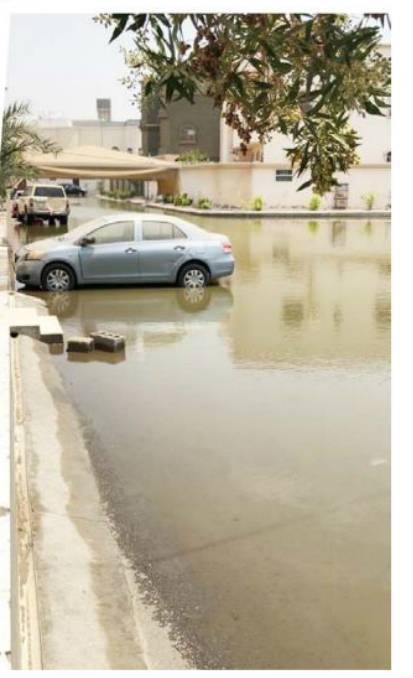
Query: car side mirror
{"points": [[83, 242]]}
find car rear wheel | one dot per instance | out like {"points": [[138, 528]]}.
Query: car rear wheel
{"points": [[63, 221], [193, 275], [58, 278]]}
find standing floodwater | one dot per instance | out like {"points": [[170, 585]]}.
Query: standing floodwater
{"points": [[242, 445]]}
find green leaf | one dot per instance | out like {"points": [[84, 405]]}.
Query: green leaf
{"points": [[122, 20], [171, 86], [372, 108], [306, 184], [138, 23], [256, 63], [148, 88], [238, 83]]}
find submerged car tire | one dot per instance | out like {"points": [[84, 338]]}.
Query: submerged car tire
{"points": [[58, 278], [193, 275]]}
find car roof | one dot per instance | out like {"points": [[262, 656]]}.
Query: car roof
{"points": [[153, 216]]}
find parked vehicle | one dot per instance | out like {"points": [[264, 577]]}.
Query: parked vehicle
{"points": [[127, 248], [73, 189], [43, 201]]}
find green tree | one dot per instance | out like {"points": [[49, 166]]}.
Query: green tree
{"points": [[18, 137], [298, 74]]}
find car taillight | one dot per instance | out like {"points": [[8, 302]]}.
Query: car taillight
{"points": [[227, 247]]}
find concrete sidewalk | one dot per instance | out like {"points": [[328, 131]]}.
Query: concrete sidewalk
{"points": [[5, 403], [240, 213]]}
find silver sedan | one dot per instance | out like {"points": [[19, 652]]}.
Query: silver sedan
{"points": [[125, 248]]}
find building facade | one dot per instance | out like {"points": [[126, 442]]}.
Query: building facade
{"points": [[265, 172], [181, 127]]}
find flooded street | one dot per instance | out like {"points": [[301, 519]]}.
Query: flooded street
{"points": [[241, 444]]}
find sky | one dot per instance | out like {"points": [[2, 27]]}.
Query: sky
{"points": [[71, 64], [62, 63]]}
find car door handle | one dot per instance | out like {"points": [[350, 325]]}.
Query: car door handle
{"points": [[180, 247], [130, 250]]}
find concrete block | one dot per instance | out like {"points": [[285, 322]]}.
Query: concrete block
{"points": [[80, 344], [50, 330], [108, 341]]}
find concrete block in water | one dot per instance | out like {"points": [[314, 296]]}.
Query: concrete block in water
{"points": [[108, 341], [80, 344]]}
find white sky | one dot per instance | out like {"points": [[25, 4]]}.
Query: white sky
{"points": [[62, 63]]}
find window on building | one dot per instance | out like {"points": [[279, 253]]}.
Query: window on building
{"points": [[121, 231], [283, 175], [188, 134], [161, 230]]}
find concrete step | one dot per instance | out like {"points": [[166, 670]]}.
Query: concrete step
{"points": [[27, 321], [50, 330]]}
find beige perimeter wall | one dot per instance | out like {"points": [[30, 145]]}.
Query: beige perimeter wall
{"points": [[237, 184]]}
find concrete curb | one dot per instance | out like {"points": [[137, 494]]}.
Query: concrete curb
{"points": [[274, 213], [5, 454], [254, 214], [26, 650]]}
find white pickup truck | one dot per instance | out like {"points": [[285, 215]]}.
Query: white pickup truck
{"points": [[43, 201]]}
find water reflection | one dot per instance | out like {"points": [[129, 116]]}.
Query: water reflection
{"points": [[383, 313], [293, 312], [338, 233], [97, 357], [313, 226], [38, 231], [313, 297], [130, 311]]}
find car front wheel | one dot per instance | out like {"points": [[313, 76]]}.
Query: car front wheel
{"points": [[193, 275], [58, 278]]}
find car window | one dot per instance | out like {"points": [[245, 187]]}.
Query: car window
{"points": [[161, 230], [49, 192], [120, 231]]}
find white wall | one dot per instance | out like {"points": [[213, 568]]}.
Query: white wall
{"points": [[237, 184], [120, 134]]}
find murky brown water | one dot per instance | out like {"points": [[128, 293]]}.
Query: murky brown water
{"points": [[242, 443]]}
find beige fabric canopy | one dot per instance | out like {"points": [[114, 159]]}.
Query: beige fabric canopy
{"points": [[94, 162]]}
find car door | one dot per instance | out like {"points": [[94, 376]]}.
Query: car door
{"points": [[162, 248], [113, 256]]}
